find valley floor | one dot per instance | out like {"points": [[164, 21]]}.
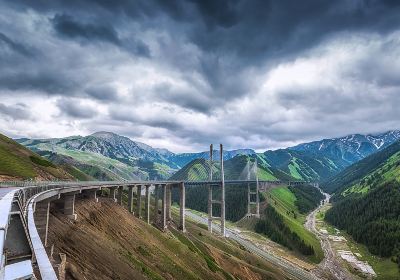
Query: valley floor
{"points": [[331, 264], [344, 258]]}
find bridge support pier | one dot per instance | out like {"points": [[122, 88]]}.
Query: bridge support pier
{"points": [[92, 194], [139, 201], [169, 201], [182, 200], [147, 204], [130, 199], [222, 191], [69, 206], [248, 200], [258, 202], [210, 208], [164, 208], [156, 204], [113, 194], [210, 195], [120, 189]]}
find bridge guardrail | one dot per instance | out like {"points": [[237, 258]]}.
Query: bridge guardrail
{"points": [[5, 209]]}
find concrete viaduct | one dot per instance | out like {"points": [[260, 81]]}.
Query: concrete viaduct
{"points": [[25, 206]]}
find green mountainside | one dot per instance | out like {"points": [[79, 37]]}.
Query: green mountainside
{"points": [[283, 218], [19, 163], [369, 172], [372, 219], [366, 202], [301, 165], [105, 156]]}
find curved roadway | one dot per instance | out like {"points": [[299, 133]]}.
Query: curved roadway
{"points": [[286, 266]]}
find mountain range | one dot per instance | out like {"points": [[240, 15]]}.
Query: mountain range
{"points": [[108, 156]]}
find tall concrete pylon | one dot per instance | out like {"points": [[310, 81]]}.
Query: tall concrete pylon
{"points": [[210, 177], [222, 191], [248, 189], [257, 190]]}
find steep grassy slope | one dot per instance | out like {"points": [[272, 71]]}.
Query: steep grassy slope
{"points": [[307, 197], [301, 165], [381, 166], [284, 202], [17, 162], [107, 242], [366, 202]]}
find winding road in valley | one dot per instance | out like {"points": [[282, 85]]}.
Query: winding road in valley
{"points": [[329, 268], [330, 263], [291, 269]]}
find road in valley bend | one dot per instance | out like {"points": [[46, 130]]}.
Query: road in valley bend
{"points": [[291, 269], [330, 263]]}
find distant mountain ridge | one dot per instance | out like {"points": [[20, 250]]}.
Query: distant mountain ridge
{"points": [[347, 150], [367, 173], [96, 155], [313, 161]]}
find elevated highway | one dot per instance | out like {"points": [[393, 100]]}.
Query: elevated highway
{"points": [[25, 206]]}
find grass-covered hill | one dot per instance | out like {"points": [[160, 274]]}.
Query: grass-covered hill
{"points": [[19, 163], [105, 156], [366, 202], [367, 173], [301, 165], [285, 210]]}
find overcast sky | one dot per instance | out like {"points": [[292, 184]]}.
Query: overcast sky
{"points": [[183, 74]]}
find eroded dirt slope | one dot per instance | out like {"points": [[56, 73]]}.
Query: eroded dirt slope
{"points": [[107, 242]]}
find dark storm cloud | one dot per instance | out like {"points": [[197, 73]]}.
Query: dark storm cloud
{"points": [[67, 26], [73, 108], [153, 120], [45, 81], [102, 93], [21, 49], [208, 60], [15, 112]]}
